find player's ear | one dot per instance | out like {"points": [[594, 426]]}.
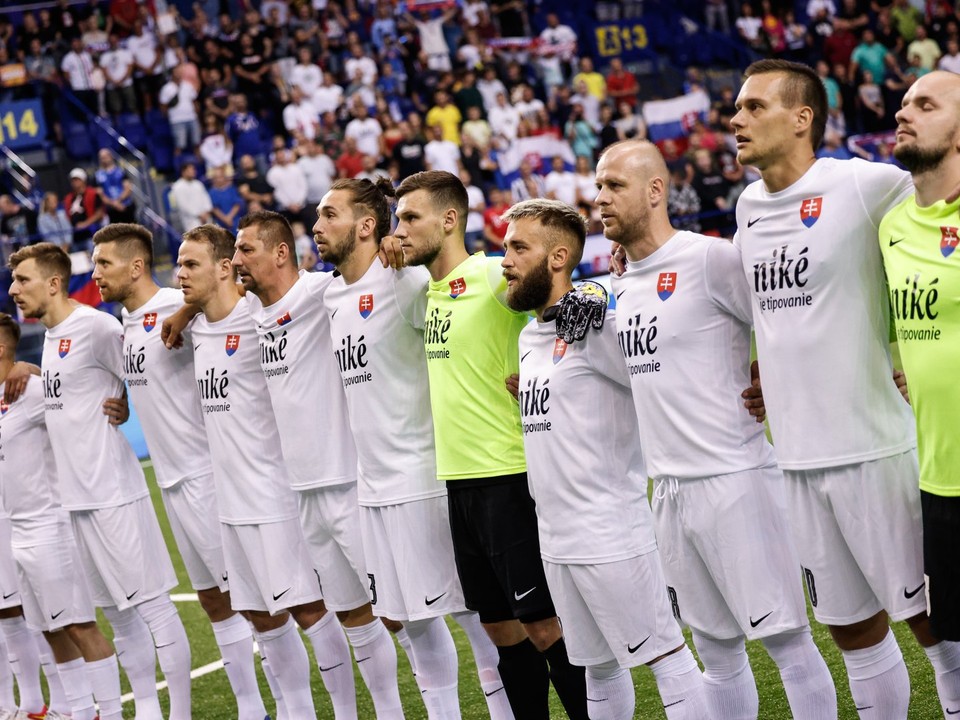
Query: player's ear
{"points": [[559, 256], [804, 119], [657, 190], [366, 227], [451, 218]]}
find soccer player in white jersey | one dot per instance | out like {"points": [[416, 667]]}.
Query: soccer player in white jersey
{"points": [[48, 572], [376, 317], [310, 409], [164, 393], [683, 319], [600, 557], [268, 563], [845, 439], [101, 483]]}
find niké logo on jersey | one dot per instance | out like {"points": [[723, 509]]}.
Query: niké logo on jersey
{"points": [[273, 348], [639, 339], [149, 321], [63, 349], [213, 386], [352, 354], [365, 305], [232, 344], [915, 301], [51, 385], [436, 328], [666, 285], [457, 287], [810, 210], [559, 350], [134, 361], [948, 240], [284, 319], [782, 271], [535, 398]]}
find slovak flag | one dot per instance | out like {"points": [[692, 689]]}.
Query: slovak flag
{"points": [[233, 343], [3, 407], [284, 319], [666, 284], [457, 287], [149, 321], [948, 240], [810, 210], [559, 350], [64, 347], [365, 306]]}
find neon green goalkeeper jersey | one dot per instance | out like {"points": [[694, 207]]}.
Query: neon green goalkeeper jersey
{"points": [[470, 336], [922, 260]]}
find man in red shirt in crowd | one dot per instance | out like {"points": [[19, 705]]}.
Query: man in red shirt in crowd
{"points": [[494, 228], [622, 85], [350, 163], [84, 207]]}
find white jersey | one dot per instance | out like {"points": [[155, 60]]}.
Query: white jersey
{"points": [[586, 474], [163, 391], [304, 385], [28, 477], [811, 256], [377, 329], [82, 367], [683, 321], [248, 469]]}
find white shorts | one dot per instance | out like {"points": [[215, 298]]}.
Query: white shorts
{"points": [[52, 583], [191, 505], [123, 554], [614, 611], [269, 566], [9, 585], [410, 564], [728, 557], [330, 519], [859, 533]]}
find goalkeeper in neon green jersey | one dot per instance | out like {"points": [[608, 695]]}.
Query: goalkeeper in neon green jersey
{"points": [[919, 242]]}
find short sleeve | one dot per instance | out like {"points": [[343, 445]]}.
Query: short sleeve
{"points": [[882, 187], [726, 284], [410, 286], [106, 344], [604, 352]]}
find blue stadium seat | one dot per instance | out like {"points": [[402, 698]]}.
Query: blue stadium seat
{"points": [[160, 151], [156, 123], [102, 138], [78, 141], [131, 127]]}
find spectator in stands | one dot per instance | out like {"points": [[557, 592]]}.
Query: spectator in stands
{"points": [[504, 119], [477, 129], [490, 86], [370, 170], [179, 99], [116, 190], [870, 55], [589, 105], [190, 200], [529, 185], [289, 187], [148, 65], [580, 134], [251, 68], [243, 129], [123, 14], [359, 62], [78, 67], [227, 205], [560, 183], [557, 51], [432, 41], [774, 32], [750, 28], [350, 161], [925, 47], [683, 202], [408, 153], [951, 61], [53, 223], [84, 207], [871, 103], [510, 16], [441, 154], [526, 103], [477, 205], [319, 171], [214, 59], [906, 19], [630, 124], [446, 115], [252, 185], [887, 33], [594, 82], [712, 189], [838, 48], [216, 150], [364, 130], [300, 116], [306, 74], [716, 16], [833, 147], [328, 97], [18, 223], [494, 228], [118, 66], [622, 85]]}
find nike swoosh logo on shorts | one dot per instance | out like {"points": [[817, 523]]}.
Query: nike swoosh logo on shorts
{"points": [[55, 616], [12, 594], [910, 593], [429, 602], [133, 593], [634, 648], [277, 597], [754, 623], [520, 596]]}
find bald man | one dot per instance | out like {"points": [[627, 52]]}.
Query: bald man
{"points": [[918, 239], [683, 321]]}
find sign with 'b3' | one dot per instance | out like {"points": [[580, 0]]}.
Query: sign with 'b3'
{"points": [[22, 124]]}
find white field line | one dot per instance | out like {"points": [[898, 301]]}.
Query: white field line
{"points": [[148, 463]]}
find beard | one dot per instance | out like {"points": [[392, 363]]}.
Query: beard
{"points": [[920, 160], [341, 252], [533, 291], [425, 255]]}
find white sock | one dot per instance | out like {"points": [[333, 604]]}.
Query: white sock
{"points": [[879, 681], [806, 678], [235, 641], [173, 651], [404, 639], [57, 701], [24, 661], [77, 690], [610, 693], [436, 660], [104, 676], [137, 657], [7, 701], [728, 679], [336, 666], [945, 658], [487, 658], [291, 668], [274, 686], [683, 691], [376, 656]]}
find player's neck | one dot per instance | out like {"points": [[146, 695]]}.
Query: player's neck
{"points": [[222, 302], [452, 253], [935, 185], [559, 289], [658, 232], [142, 293], [356, 266], [786, 172], [58, 310], [270, 294]]}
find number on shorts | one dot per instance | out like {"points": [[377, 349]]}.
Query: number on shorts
{"points": [[811, 586], [373, 589], [673, 602]]}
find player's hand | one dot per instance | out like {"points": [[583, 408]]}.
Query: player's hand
{"points": [[16, 383], [513, 385], [753, 395], [580, 309], [171, 332], [618, 260], [391, 253], [901, 380], [117, 410]]}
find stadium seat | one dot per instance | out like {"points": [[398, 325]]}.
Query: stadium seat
{"points": [[156, 123], [78, 141], [102, 137], [131, 127], [160, 150]]}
